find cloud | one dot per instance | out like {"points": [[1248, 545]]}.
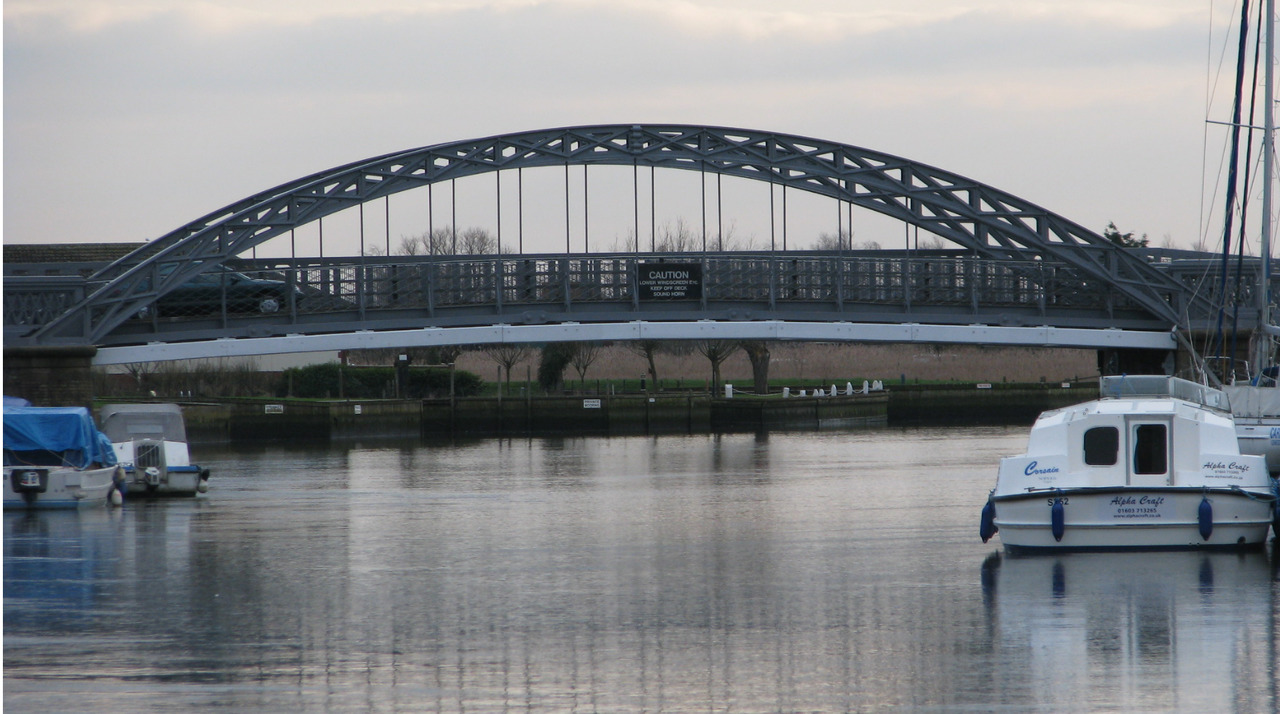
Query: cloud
{"points": [[817, 20], [171, 109]]}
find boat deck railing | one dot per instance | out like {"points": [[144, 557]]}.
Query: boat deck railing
{"points": [[1161, 386]]}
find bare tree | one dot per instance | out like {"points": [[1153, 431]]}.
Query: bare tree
{"points": [[414, 245], [140, 371], [843, 240], [758, 352], [584, 354], [681, 237], [833, 241], [508, 356], [477, 241], [730, 240], [440, 241], [716, 352], [678, 238], [648, 349]]}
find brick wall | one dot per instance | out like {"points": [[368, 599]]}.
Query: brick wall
{"points": [[49, 376]]}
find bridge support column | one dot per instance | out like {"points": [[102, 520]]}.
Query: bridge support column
{"points": [[50, 376], [1136, 361]]}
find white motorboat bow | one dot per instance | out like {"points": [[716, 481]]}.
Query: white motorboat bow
{"points": [[1153, 463], [150, 442]]}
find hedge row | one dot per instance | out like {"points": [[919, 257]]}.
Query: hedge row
{"points": [[332, 381]]}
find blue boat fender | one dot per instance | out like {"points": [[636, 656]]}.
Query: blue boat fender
{"points": [[1205, 516], [988, 526], [1058, 519]]}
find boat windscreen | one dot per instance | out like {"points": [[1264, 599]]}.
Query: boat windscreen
{"points": [[1160, 386], [125, 422]]}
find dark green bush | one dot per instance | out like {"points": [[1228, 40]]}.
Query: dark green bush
{"points": [[332, 380], [555, 357]]}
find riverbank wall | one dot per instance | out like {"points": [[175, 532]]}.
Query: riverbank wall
{"points": [[982, 404], [667, 413]]}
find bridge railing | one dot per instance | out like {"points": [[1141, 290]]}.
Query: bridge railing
{"points": [[31, 301], [432, 283], [1206, 277]]}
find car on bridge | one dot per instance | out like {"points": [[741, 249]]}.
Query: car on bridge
{"points": [[205, 294]]}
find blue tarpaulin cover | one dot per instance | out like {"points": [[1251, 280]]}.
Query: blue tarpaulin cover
{"points": [[66, 430]]}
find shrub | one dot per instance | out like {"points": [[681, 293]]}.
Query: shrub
{"points": [[332, 380]]}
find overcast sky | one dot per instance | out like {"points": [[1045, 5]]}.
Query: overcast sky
{"points": [[124, 119]]}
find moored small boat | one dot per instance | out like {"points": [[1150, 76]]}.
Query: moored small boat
{"points": [[55, 457], [1257, 413], [150, 442], [1153, 463]]}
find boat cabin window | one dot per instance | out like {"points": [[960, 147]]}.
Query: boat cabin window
{"points": [[1102, 446], [1150, 450]]}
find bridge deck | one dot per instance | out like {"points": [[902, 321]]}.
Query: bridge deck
{"points": [[300, 297]]}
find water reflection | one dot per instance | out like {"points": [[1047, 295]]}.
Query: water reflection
{"points": [[1165, 630], [816, 572], [51, 564]]}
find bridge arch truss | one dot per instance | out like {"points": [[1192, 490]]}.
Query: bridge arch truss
{"points": [[991, 223]]}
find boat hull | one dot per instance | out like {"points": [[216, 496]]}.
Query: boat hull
{"points": [[59, 488], [1134, 518], [175, 481], [1260, 436]]}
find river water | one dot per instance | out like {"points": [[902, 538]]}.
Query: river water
{"points": [[827, 572]]}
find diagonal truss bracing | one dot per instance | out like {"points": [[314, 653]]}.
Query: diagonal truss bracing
{"points": [[986, 220]]}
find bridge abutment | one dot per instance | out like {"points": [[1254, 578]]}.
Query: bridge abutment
{"points": [[50, 376]]}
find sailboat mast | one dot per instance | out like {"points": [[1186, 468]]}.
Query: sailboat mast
{"points": [[1268, 146], [1262, 339]]}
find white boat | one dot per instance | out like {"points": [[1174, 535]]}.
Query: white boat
{"points": [[150, 442], [1152, 463], [54, 457], [1257, 414]]}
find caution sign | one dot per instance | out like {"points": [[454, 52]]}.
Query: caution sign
{"points": [[670, 281]]}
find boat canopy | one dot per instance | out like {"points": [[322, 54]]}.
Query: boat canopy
{"points": [[54, 436], [126, 422]]}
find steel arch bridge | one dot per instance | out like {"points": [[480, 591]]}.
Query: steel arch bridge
{"points": [[992, 225]]}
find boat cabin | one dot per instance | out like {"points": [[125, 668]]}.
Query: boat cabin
{"points": [[1143, 431]]}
